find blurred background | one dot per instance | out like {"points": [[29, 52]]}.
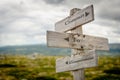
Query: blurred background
{"points": [[23, 51]]}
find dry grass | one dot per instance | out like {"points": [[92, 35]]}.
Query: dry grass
{"points": [[20, 67]]}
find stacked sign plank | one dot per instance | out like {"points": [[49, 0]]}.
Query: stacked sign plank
{"points": [[69, 34]]}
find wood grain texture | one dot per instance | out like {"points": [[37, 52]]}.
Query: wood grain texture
{"points": [[76, 41], [79, 18], [88, 59], [79, 74]]}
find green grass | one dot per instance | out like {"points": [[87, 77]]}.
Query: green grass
{"points": [[20, 67]]}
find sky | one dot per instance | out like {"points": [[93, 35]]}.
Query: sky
{"points": [[24, 22]]}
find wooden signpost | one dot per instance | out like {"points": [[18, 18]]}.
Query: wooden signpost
{"points": [[74, 20], [76, 41], [88, 59], [83, 46]]}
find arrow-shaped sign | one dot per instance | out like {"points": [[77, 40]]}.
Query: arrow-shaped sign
{"points": [[86, 14], [79, 18], [89, 59], [78, 41]]}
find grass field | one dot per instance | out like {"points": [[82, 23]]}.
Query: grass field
{"points": [[20, 67]]}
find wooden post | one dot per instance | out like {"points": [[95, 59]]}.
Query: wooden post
{"points": [[77, 74], [80, 58]]}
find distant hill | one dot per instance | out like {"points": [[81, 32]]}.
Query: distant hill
{"points": [[114, 50], [44, 50], [30, 49]]}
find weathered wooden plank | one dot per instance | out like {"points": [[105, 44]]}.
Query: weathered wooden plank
{"points": [[89, 59], [79, 18], [76, 41]]}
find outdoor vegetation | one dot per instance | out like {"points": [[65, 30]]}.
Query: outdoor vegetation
{"points": [[23, 67]]}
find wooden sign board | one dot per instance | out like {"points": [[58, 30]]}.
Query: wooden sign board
{"points": [[79, 18], [77, 41], [89, 59]]}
